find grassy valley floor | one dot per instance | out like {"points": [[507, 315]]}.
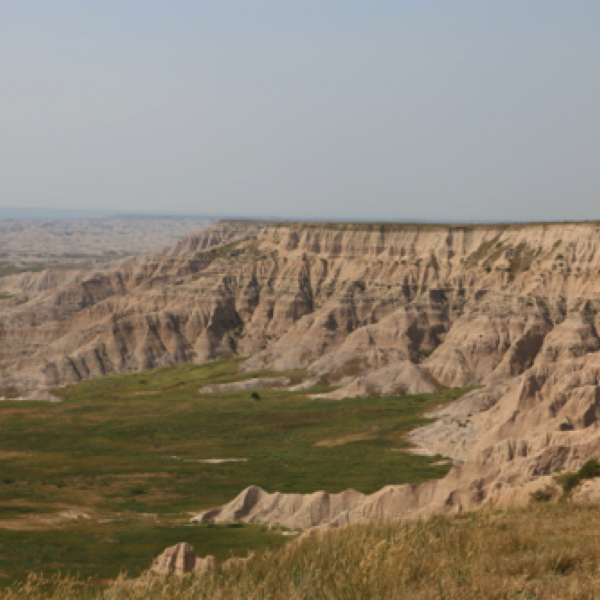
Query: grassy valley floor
{"points": [[103, 481]]}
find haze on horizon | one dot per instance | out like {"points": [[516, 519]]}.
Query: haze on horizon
{"points": [[427, 110]]}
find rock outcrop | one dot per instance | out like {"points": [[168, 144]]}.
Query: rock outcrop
{"points": [[397, 379], [293, 510], [181, 559]]}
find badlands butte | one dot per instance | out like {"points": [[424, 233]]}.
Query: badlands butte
{"points": [[370, 309]]}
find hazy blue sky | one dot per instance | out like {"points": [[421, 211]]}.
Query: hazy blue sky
{"points": [[380, 110]]}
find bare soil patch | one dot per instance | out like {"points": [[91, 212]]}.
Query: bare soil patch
{"points": [[347, 439]]}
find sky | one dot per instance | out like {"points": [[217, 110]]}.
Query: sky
{"points": [[303, 109]]}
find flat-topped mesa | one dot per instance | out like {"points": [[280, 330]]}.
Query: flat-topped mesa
{"points": [[469, 303], [490, 243]]}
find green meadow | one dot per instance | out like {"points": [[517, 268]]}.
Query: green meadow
{"points": [[126, 452]]}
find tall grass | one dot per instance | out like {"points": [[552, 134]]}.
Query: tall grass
{"points": [[541, 552]]}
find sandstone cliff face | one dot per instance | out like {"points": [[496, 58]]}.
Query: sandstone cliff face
{"points": [[469, 304], [376, 309]]}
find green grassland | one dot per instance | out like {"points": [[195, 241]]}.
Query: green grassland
{"points": [[125, 449]]}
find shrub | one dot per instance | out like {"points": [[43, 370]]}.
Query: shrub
{"points": [[542, 495], [569, 481], [590, 470], [10, 392]]}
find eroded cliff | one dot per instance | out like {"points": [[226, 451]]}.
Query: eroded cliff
{"points": [[472, 304], [373, 308]]}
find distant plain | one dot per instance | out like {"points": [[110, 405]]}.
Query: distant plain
{"points": [[37, 244]]}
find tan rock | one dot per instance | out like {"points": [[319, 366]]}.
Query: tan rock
{"points": [[394, 380], [293, 510], [587, 493], [180, 560]]}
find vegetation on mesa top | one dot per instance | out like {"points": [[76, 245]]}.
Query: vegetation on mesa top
{"points": [[126, 446], [397, 225]]}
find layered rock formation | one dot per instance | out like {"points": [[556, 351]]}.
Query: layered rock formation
{"points": [[375, 309], [472, 304], [181, 559]]}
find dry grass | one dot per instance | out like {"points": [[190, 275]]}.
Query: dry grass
{"points": [[547, 551]]}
